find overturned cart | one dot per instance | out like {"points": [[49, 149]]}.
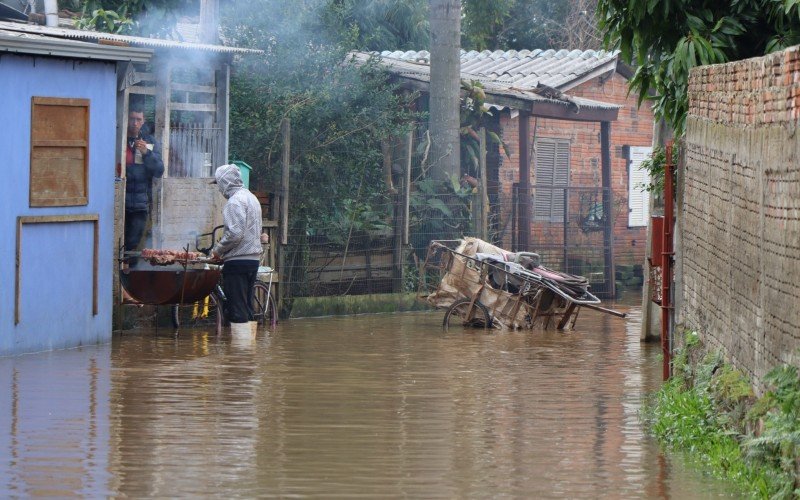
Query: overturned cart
{"points": [[482, 285]]}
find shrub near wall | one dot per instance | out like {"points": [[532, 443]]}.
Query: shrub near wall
{"points": [[739, 220], [708, 410]]}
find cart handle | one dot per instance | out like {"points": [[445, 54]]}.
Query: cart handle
{"points": [[213, 234]]}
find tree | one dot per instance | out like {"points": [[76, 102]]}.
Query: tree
{"points": [[138, 17], [664, 39], [530, 24], [381, 24], [445, 49]]}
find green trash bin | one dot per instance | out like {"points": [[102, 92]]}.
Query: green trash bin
{"points": [[245, 170]]}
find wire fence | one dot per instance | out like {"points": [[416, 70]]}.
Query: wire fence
{"points": [[345, 259]]}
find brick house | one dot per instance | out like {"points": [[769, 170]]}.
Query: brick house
{"points": [[565, 208]]}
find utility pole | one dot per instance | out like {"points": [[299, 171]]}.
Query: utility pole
{"points": [[445, 86]]}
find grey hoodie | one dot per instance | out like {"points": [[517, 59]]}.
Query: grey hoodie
{"points": [[241, 239]]}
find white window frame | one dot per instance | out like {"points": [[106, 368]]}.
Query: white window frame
{"points": [[638, 197]]}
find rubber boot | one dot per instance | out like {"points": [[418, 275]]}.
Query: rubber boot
{"points": [[241, 330]]}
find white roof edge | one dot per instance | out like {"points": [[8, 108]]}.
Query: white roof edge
{"points": [[46, 46], [75, 34]]}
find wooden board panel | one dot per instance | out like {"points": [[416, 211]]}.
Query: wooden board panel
{"points": [[59, 179], [59, 168], [55, 219]]}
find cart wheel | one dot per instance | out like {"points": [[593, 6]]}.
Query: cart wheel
{"points": [[460, 314], [201, 314], [265, 312]]}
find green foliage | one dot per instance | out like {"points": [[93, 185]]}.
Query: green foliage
{"points": [[665, 39], [137, 17], [654, 165], [703, 411], [440, 209], [473, 115], [778, 444], [687, 420], [339, 111], [513, 24], [105, 20], [381, 24]]}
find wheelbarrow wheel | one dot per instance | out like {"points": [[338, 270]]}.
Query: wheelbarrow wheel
{"points": [[265, 311], [201, 314], [460, 314]]}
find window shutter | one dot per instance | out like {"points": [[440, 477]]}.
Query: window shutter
{"points": [[543, 197], [552, 178], [59, 167], [638, 198], [561, 180]]}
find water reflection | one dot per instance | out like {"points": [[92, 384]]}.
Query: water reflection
{"points": [[385, 405]]}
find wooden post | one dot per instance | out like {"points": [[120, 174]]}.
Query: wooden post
{"points": [[163, 110], [608, 204], [524, 193], [223, 80], [483, 223], [286, 133], [407, 185]]}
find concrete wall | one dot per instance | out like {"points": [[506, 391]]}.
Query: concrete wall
{"points": [[739, 268], [634, 127], [183, 208], [56, 265]]}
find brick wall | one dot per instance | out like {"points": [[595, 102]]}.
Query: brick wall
{"points": [[739, 219], [634, 127]]}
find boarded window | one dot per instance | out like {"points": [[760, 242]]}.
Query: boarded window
{"points": [[638, 197], [59, 152], [552, 179]]}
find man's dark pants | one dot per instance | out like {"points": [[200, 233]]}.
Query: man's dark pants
{"points": [[135, 223], [238, 278]]}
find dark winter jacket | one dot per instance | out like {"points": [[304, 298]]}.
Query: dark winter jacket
{"points": [[139, 177]]}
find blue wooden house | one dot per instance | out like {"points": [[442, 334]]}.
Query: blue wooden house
{"points": [[66, 94], [58, 139]]}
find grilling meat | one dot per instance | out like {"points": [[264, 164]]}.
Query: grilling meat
{"points": [[165, 257]]}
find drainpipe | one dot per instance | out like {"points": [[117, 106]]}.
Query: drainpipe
{"points": [[51, 12], [666, 267]]}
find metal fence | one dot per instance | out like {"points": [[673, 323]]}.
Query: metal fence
{"points": [[195, 150], [345, 260]]}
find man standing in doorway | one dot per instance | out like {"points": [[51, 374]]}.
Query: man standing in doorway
{"points": [[142, 163], [239, 247]]}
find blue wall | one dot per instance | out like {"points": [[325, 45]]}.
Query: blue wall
{"points": [[56, 277]]}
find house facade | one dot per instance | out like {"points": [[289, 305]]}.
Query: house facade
{"points": [[581, 207], [574, 171], [57, 197]]}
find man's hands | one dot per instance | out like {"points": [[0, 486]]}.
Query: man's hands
{"points": [[141, 146]]}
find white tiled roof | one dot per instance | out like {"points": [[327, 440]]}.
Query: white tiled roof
{"points": [[524, 69]]}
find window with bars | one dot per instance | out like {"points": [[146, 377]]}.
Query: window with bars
{"points": [[552, 179], [638, 197]]}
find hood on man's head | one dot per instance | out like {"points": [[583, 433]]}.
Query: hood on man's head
{"points": [[229, 179]]}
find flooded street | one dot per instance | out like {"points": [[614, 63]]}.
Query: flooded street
{"points": [[365, 406]]}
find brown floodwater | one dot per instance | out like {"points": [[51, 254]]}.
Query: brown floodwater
{"points": [[364, 406]]}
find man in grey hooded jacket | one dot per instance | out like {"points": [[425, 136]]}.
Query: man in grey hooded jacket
{"points": [[239, 247]]}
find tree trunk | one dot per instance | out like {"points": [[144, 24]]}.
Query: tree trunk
{"points": [[445, 22]]}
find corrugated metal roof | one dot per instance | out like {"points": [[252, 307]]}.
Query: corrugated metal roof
{"points": [[95, 36], [561, 69], [417, 69], [27, 43]]}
